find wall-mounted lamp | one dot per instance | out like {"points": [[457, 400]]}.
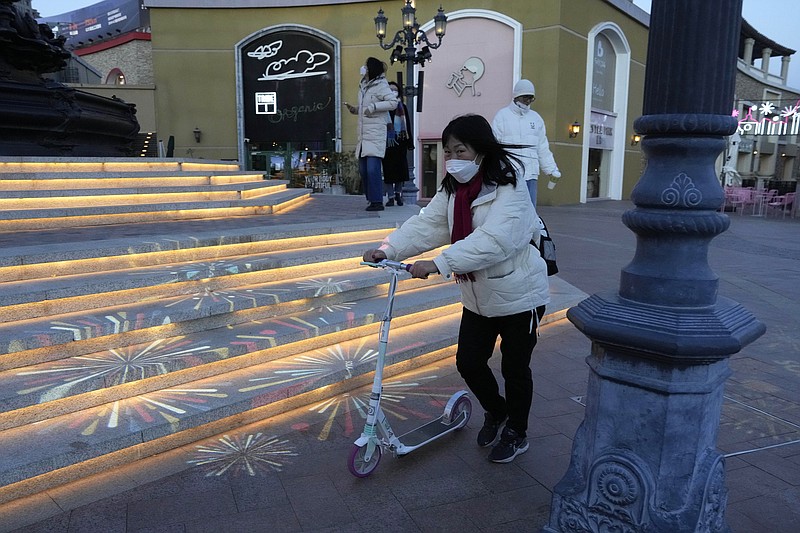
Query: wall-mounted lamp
{"points": [[197, 134], [574, 129], [635, 138]]}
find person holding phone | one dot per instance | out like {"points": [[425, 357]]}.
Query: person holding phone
{"points": [[375, 100]]}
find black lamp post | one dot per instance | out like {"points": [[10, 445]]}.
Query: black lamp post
{"points": [[404, 49]]}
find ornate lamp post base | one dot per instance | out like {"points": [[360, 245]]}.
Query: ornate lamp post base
{"points": [[625, 474]]}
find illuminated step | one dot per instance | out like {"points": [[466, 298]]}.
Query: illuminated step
{"points": [[118, 196], [65, 181], [31, 219], [61, 335], [53, 388], [100, 164], [31, 299], [207, 406], [33, 260]]}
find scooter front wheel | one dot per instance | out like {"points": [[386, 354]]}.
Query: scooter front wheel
{"points": [[463, 405], [356, 463]]}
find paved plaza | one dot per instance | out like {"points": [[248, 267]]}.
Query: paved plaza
{"points": [[289, 473]]}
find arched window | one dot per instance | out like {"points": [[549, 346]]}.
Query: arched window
{"points": [[115, 77]]}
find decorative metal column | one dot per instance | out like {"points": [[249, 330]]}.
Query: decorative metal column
{"points": [[645, 458]]}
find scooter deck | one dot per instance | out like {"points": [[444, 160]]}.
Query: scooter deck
{"points": [[429, 431]]}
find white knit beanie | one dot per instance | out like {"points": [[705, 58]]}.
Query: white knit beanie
{"points": [[524, 87]]}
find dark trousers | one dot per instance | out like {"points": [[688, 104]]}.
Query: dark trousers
{"points": [[476, 339]]}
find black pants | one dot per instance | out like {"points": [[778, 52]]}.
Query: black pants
{"points": [[476, 339]]}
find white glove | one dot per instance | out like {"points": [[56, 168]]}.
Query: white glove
{"points": [[556, 174]]}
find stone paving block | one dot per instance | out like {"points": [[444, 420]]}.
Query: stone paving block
{"points": [[751, 482], [99, 516], [488, 512], [547, 469], [777, 512], [38, 508], [280, 519], [775, 465], [316, 502], [180, 508], [425, 493], [261, 492], [448, 518]]}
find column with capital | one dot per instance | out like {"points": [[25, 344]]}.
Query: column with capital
{"points": [[644, 458]]}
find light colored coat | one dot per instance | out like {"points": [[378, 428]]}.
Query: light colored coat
{"points": [[375, 100], [510, 274], [512, 125]]}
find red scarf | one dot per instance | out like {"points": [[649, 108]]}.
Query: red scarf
{"points": [[466, 193]]}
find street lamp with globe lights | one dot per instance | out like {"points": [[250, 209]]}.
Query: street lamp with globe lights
{"points": [[404, 49]]}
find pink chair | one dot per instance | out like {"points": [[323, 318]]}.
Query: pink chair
{"points": [[740, 199], [784, 203]]}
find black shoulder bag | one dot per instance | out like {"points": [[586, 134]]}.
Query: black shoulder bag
{"points": [[547, 249]]}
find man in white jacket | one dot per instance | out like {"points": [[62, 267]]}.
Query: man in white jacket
{"points": [[518, 124]]}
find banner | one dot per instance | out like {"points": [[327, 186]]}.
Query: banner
{"points": [[98, 22]]}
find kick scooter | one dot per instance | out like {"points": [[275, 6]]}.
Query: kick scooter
{"points": [[378, 435]]}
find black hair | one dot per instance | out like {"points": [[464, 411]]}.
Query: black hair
{"points": [[375, 67], [475, 132]]}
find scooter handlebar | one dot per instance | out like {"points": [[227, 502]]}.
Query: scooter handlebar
{"points": [[386, 263]]}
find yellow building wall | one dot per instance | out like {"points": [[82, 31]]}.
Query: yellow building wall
{"points": [[194, 64]]}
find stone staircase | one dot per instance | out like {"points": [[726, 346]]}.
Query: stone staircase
{"points": [[121, 341], [38, 193]]}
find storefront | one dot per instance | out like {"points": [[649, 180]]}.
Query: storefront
{"points": [[266, 84]]}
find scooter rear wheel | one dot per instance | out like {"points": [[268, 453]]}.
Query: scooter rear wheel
{"points": [[356, 463], [463, 405]]}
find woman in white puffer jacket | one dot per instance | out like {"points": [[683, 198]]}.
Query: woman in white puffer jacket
{"points": [[484, 213], [375, 100]]}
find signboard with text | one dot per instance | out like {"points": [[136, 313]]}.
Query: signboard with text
{"points": [[601, 131], [289, 87]]}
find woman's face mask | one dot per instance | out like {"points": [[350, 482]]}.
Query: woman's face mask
{"points": [[462, 170], [363, 71]]}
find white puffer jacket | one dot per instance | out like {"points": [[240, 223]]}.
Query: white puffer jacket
{"points": [[375, 100], [512, 125], [510, 274]]}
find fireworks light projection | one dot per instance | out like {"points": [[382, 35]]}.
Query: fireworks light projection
{"points": [[88, 327], [256, 297], [139, 412], [310, 367], [114, 367], [352, 407], [195, 271], [250, 297], [249, 454], [323, 286]]}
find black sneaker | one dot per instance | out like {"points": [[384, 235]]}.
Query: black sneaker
{"points": [[375, 206], [390, 203], [488, 433], [510, 446]]}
